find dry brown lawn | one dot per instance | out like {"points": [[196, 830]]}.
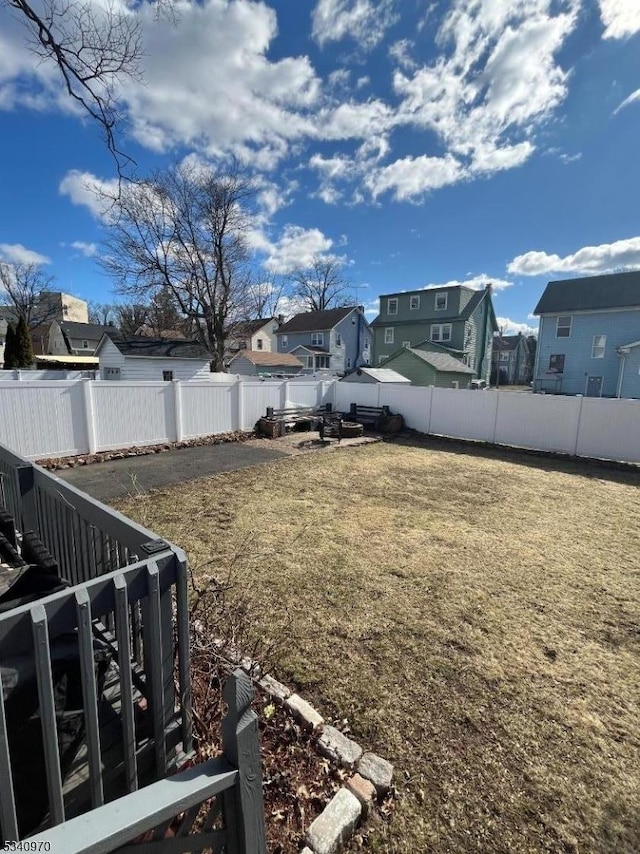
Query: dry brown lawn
{"points": [[474, 614]]}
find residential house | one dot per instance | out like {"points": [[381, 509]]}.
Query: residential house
{"points": [[140, 358], [459, 318], [53, 305], [511, 360], [68, 338], [430, 364], [258, 363], [336, 340], [258, 334], [587, 341], [373, 376]]}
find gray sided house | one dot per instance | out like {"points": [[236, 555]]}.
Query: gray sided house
{"points": [[141, 359], [336, 340], [588, 338], [512, 360], [258, 363], [66, 337], [429, 364], [460, 318]]}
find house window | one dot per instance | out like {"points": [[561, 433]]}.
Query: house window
{"points": [[556, 363], [414, 302], [392, 306], [504, 357], [111, 373], [366, 344], [563, 329], [338, 340], [85, 345], [441, 302], [285, 340], [441, 332], [317, 339], [348, 362], [472, 362], [322, 362], [406, 343], [598, 346], [167, 376], [389, 333], [259, 343]]}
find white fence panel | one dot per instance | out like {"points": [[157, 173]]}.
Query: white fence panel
{"points": [[44, 419], [365, 394], [44, 376], [540, 422], [305, 394], [207, 408], [255, 398], [464, 414], [126, 414], [412, 402], [610, 429]]}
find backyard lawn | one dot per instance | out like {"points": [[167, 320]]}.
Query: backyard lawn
{"points": [[474, 614]]}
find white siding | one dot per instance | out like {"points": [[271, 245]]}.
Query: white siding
{"points": [[136, 369]]}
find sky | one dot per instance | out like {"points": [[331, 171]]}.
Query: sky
{"points": [[423, 143]]}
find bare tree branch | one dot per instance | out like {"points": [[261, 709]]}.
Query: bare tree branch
{"points": [[25, 286], [322, 285]]}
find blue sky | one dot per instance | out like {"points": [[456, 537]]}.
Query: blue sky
{"points": [[424, 143]]}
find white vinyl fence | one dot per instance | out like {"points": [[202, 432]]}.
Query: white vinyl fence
{"points": [[33, 376], [50, 419]]}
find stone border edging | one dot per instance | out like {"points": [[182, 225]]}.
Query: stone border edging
{"points": [[370, 780]]}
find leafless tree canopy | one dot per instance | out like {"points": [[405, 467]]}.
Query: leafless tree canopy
{"points": [[24, 286], [323, 285], [264, 297], [185, 231], [102, 313], [94, 46]]}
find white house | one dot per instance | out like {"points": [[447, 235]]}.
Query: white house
{"points": [[258, 335], [139, 358]]}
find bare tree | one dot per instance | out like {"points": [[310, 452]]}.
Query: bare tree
{"points": [[131, 316], [25, 285], [102, 313], [265, 297], [94, 46], [322, 285], [184, 230]]}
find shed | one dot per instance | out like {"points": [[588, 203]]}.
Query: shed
{"points": [[139, 358], [260, 363], [424, 367], [375, 375]]}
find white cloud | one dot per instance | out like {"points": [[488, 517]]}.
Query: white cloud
{"points": [[634, 96], [621, 18], [400, 52], [412, 177], [16, 253], [89, 250], [477, 283], [621, 255], [296, 247], [87, 190], [512, 327], [365, 21]]}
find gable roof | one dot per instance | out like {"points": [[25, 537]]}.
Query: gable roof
{"points": [[315, 321], [247, 328], [507, 342], [90, 331], [440, 361], [163, 348], [382, 375], [465, 314], [615, 290], [266, 359]]}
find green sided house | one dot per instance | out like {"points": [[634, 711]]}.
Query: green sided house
{"points": [[428, 364], [459, 318]]}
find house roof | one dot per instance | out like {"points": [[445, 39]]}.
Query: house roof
{"points": [[312, 348], [266, 359], [67, 360], [440, 361], [506, 342], [247, 328], [383, 375], [90, 331], [465, 314], [163, 348], [315, 321], [615, 290]]}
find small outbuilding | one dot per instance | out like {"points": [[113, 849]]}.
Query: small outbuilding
{"points": [[139, 358], [375, 375], [430, 367], [260, 363]]}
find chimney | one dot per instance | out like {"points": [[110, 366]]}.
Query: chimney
{"points": [[488, 287], [280, 319]]}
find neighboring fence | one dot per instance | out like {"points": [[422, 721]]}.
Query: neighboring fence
{"points": [[50, 419], [32, 376]]}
